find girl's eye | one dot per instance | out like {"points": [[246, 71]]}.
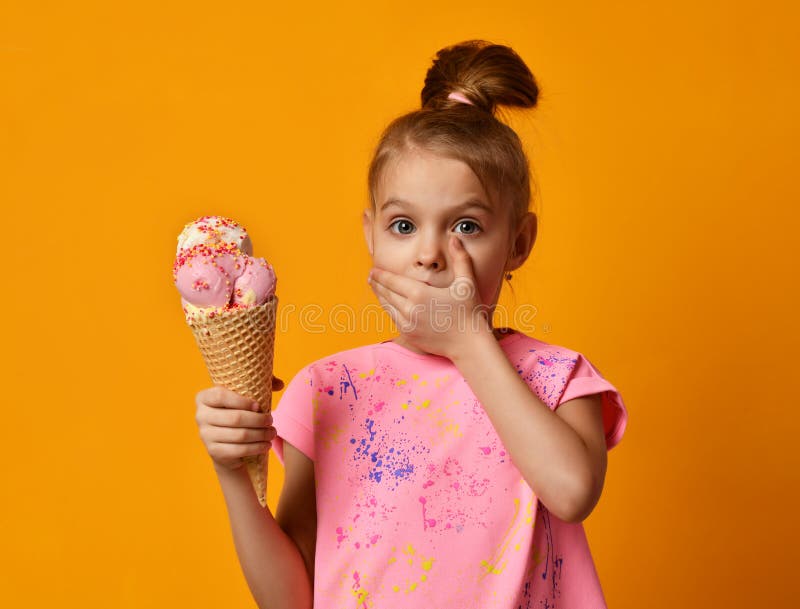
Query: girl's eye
{"points": [[469, 223], [404, 226]]}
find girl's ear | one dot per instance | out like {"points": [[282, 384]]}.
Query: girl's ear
{"points": [[367, 220], [523, 242]]}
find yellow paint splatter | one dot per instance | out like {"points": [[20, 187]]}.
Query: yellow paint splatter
{"points": [[361, 595], [425, 564], [490, 568], [334, 437], [424, 405], [493, 566], [401, 382], [415, 376], [453, 428], [410, 551], [392, 560]]}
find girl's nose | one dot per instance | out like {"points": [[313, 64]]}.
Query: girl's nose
{"points": [[431, 254]]}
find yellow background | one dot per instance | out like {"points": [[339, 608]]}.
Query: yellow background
{"points": [[662, 149]]}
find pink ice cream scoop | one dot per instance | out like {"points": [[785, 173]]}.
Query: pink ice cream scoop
{"points": [[208, 280], [256, 284]]}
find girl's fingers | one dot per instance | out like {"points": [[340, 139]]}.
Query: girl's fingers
{"points": [[391, 310], [220, 397], [397, 302], [232, 426], [399, 284], [387, 307], [404, 323], [221, 417], [462, 262], [234, 451], [241, 435]]}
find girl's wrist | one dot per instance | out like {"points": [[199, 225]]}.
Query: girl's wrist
{"points": [[473, 343], [227, 472]]}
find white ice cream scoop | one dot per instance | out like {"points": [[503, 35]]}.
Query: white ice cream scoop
{"points": [[214, 229]]}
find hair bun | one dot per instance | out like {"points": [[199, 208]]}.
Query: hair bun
{"points": [[487, 75]]}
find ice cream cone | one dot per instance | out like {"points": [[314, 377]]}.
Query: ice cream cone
{"points": [[238, 346]]}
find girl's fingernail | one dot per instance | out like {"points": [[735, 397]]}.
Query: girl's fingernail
{"points": [[256, 407]]}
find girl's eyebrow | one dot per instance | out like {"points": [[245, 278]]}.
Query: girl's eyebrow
{"points": [[473, 202]]}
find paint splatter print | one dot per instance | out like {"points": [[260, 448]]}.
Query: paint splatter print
{"points": [[418, 501]]}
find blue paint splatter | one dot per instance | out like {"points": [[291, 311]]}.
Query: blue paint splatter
{"points": [[383, 461], [403, 472], [343, 385]]}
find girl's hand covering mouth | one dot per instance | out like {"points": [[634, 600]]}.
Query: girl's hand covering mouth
{"points": [[435, 320]]}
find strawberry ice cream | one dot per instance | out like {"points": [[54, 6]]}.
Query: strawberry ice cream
{"points": [[214, 274], [256, 284]]}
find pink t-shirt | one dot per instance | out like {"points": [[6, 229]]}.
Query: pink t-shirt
{"points": [[418, 502]]}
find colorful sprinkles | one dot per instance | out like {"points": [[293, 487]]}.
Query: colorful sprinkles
{"points": [[208, 252]]}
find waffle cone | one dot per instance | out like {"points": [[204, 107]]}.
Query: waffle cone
{"points": [[237, 347]]}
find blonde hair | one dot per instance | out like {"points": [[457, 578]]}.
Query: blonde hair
{"points": [[488, 75]]}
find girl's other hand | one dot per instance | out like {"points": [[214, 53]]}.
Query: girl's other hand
{"points": [[233, 426]]}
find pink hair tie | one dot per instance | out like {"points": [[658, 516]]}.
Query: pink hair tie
{"points": [[459, 97]]}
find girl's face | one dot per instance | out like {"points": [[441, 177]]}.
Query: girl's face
{"points": [[423, 199]]}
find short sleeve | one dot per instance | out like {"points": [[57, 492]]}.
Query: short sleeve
{"points": [[586, 380], [293, 416]]}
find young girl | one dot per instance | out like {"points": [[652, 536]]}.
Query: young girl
{"points": [[452, 466]]}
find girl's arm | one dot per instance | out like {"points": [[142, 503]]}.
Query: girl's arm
{"points": [[561, 454], [276, 556], [297, 508]]}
